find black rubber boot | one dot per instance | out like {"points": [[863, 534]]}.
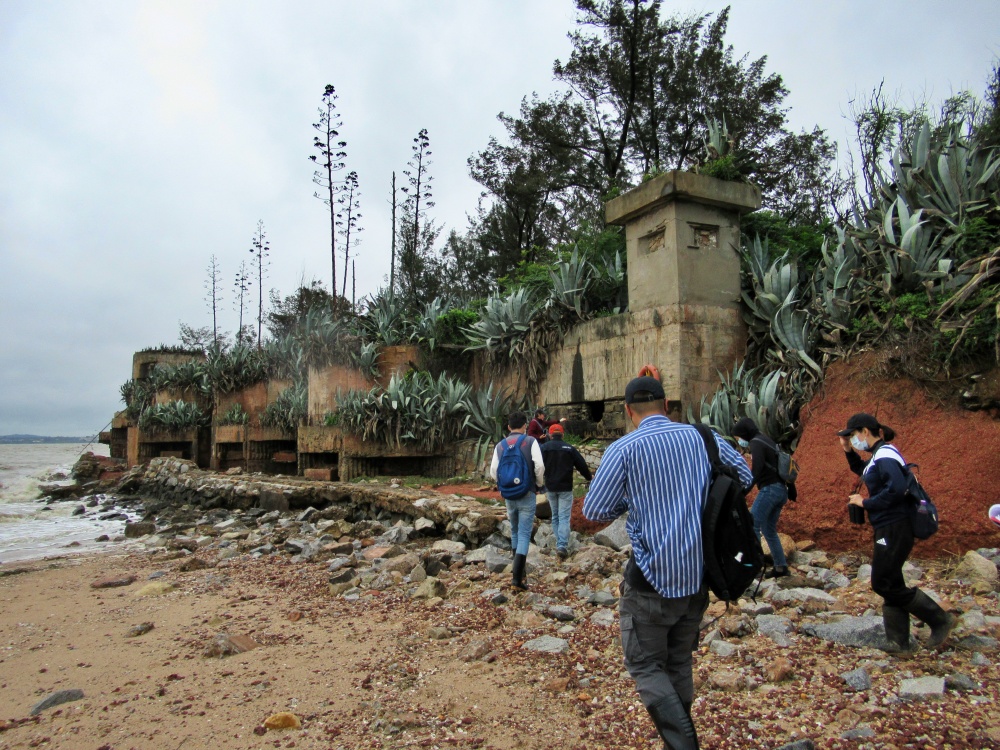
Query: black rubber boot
{"points": [[897, 630], [673, 721], [926, 609], [517, 571]]}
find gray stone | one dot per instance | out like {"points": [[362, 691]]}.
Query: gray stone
{"points": [[858, 679], [56, 699], [602, 599], [396, 535], [921, 688], [614, 536], [295, 546], [447, 545], [308, 514], [864, 573], [977, 643], [722, 648], [271, 500], [496, 561], [431, 588], [423, 525], [547, 644], [604, 618], [858, 733], [780, 639], [344, 575], [972, 620], [799, 745], [859, 632], [561, 612], [960, 682], [798, 595], [767, 624], [418, 574], [979, 660], [438, 633]]}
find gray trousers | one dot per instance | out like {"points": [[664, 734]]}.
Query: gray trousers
{"points": [[659, 637]]}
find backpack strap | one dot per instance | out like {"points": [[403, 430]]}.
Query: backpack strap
{"points": [[708, 437]]}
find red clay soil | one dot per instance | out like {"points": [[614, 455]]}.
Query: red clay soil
{"points": [[957, 451]]}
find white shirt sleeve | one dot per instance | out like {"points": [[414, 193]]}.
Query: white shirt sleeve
{"points": [[495, 463], [536, 459]]}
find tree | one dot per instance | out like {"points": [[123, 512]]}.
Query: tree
{"points": [[261, 250], [416, 233], [349, 202], [330, 159], [286, 312], [637, 94], [242, 289], [213, 295]]}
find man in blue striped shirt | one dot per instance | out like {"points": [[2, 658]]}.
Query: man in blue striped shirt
{"points": [[659, 475]]}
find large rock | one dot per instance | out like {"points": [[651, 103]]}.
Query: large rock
{"points": [[136, 530], [547, 644], [922, 688], [801, 595], [976, 568], [859, 632], [60, 489], [614, 536], [431, 588]]}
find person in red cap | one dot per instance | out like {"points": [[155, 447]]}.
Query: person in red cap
{"points": [[560, 459], [884, 475]]}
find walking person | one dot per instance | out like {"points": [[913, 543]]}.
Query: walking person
{"points": [[884, 475], [659, 474], [772, 493], [539, 426], [519, 472], [560, 459]]}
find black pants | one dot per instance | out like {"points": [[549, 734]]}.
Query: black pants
{"points": [[893, 544]]}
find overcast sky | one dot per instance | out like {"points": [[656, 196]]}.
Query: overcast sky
{"points": [[137, 138]]}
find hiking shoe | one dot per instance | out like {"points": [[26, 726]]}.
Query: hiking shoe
{"points": [[562, 553], [777, 573]]}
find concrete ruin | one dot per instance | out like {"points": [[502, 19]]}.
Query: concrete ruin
{"points": [[682, 234]]}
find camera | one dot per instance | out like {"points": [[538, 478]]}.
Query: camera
{"points": [[856, 513]]}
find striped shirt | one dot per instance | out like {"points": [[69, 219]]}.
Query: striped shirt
{"points": [[659, 475]]}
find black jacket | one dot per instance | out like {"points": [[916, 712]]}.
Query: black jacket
{"points": [[764, 457], [886, 483], [560, 458]]}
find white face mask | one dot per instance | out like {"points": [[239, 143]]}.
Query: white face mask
{"points": [[743, 443], [858, 443]]}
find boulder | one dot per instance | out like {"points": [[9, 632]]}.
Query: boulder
{"points": [[976, 568], [922, 688], [547, 644], [614, 536], [858, 632]]}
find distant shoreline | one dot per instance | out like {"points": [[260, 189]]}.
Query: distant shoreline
{"points": [[42, 439]]}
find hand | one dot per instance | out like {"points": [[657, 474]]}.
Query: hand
{"points": [[562, 420], [856, 500], [845, 443]]}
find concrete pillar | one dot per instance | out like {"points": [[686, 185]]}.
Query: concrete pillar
{"points": [[682, 235]]}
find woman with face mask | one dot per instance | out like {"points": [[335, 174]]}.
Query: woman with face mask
{"points": [[772, 493], [885, 477]]}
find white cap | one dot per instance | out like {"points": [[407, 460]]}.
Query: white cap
{"points": [[995, 514]]}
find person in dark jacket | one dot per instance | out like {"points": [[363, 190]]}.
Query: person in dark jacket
{"points": [[885, 478], [539, 426], [772, 493], [560, 459]]}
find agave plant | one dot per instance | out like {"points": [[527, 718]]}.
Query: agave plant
{"points": [[425, 328], [173, 416], [571, 280], [385, 321], [137, 397], [288, 410], [234, 415], [503, 321], [366, 359], [180, 377], [232, 370]]}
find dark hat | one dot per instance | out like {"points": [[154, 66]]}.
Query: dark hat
{"points": [[645, 384], [861, 421], [556, 429], [746, 428]]}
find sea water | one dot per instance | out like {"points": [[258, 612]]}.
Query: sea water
{"points": [[29, 527]]}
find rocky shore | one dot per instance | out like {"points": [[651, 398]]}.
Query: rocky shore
{"points": [[368, 616]]}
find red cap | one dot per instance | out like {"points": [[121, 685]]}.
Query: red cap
{"points": [[556, 429]]}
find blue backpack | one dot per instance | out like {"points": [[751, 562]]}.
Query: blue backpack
{"points": [[514, 475]]}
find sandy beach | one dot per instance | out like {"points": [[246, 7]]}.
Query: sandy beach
{"points": [[388, 671]]}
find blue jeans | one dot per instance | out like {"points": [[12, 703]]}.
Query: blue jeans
{"points": [[521, 513], [765, 511], [562, 508]]}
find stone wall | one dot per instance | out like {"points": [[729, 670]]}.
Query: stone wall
{"points": [[172, 483]]}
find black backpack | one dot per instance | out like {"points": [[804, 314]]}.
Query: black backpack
{"points": [[923, 513], [733, 555], [785, 465]]}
